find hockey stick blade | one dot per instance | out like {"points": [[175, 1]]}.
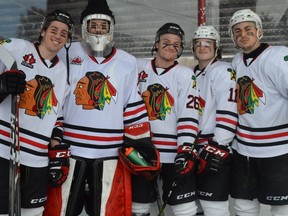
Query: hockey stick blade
{"points": [[14, 164]]}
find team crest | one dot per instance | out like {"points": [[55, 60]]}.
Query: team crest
{"points": [[94, 91], [202, 104], [142, 76], [76, 61], [5, 41], [249, 95], [232, 73], [193, 81], [28, 60], [39, 99], [158, 101]]}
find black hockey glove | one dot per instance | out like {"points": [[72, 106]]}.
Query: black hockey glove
{"points": [[185, 159], [213, 157], [12, 82], [58, 164]]}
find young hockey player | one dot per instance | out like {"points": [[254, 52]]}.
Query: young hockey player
{"points": [[216, 82], [170, 94], [103, 104], [260, 149], [40, 82]]}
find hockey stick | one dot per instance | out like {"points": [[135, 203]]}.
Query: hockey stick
{"points": [[14, 163], [174, 184], [159, 200]]}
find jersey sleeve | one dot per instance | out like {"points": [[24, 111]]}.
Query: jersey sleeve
{"points": [[224, 87], [188, 114], [278, 70], [135, 110]]}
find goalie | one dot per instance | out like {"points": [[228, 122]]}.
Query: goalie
{"points": [[102, 101]]}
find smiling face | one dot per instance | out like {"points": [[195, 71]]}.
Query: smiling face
{"points": [[168, 47], [204, 49], [246, 36], [54, 38]]}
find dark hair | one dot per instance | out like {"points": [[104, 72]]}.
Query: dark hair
{"points": [[57, 15]]}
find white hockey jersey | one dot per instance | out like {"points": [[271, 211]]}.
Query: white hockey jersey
{"points": [[102, 100], [39, 109], [262, 86], [217, 102], [170, 96]]}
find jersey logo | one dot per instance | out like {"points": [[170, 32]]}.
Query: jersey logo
{"points": [[94, 90], [158, 101], [202, 104], [285, 58], [38, 99], [249, 95], [5, 41], [28, 60], [232, 73], [194, 83], [76, 61], [142, 77]]}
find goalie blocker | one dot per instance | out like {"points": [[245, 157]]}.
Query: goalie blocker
{"points": [[138, 137]]}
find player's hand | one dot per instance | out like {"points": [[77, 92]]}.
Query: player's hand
{"points": [[185, 159], [12, 82], [58, 164], [213, 157]]}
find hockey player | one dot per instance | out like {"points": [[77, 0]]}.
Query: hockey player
{"points": [[40, 119], [102, 104], [216, 82], [170, 95], [260, 149]]}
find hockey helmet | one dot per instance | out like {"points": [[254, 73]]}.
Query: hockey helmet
{"points": [[208, 32], [245, 15], [170, 28], [61, 16], [98, 10]]}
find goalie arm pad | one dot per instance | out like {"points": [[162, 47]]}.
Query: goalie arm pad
{"points": [[138, 137]]}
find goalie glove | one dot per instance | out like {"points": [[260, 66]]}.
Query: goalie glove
{"points": [[12, 82], [185, 159], [137, 138], [213, 157], [58, 164]]}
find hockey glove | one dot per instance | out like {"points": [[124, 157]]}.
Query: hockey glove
{"points": [[213, 157], [138, 137], [12, 82], [58, 164], [185, 159]]}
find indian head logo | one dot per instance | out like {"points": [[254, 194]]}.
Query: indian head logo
{"points": [[28, 60], [94, 90], [39, 99], [158, 101], [249, 95]]}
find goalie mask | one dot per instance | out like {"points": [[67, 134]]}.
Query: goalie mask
{"points": [[100, 43], [170, 28]]}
